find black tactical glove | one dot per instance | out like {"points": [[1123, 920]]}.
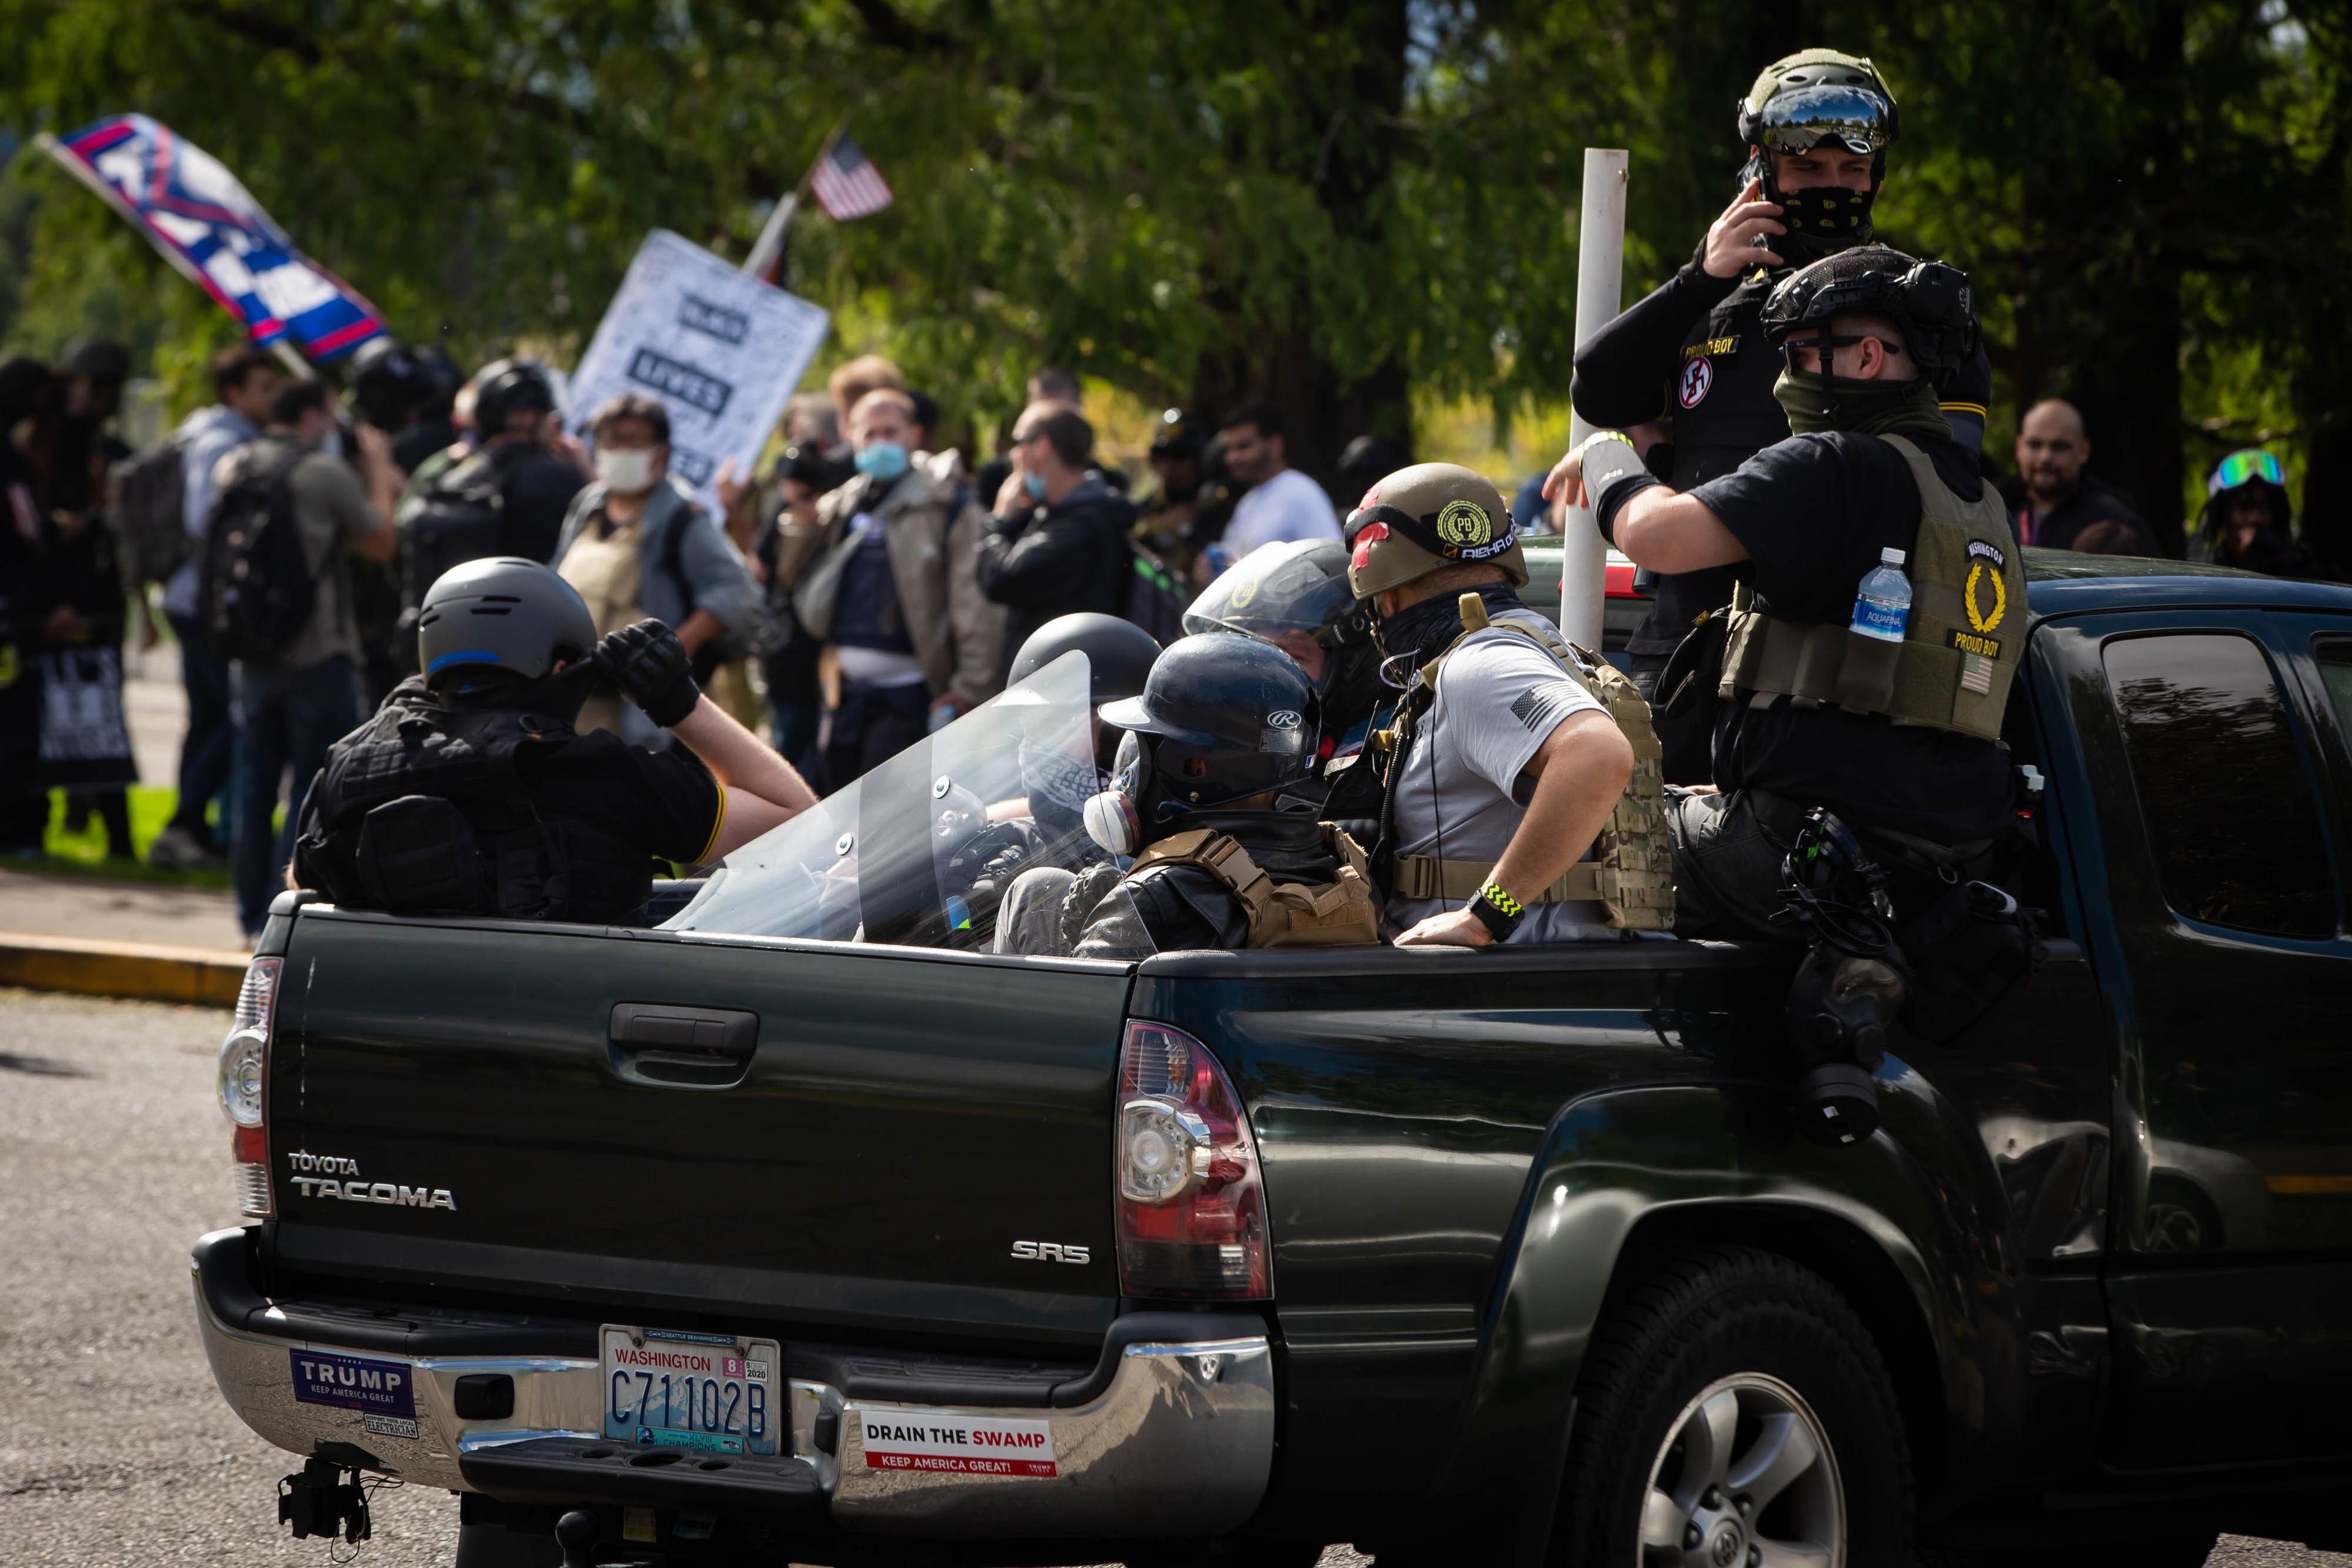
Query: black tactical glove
{"points": [[650, 666]]}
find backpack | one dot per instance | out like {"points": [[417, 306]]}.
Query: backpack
{"points": [[257, 589], [1153, 601], [150, 514], [1344, 912], [459, 516]]}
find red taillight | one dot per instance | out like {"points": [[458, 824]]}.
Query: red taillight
{"points": [[1191, 1206], [243, 1083], [1618, 581]]}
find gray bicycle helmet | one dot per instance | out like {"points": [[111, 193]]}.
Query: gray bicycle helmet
{"points": [[504, 613]]}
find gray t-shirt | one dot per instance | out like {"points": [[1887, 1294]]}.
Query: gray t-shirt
{"points": [[1499, 697], [332, 511]]}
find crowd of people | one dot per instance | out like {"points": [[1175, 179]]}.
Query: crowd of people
{"points": [[874, 583]]}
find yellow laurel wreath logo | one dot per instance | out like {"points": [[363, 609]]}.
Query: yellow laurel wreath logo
{"points": [[1464, 525], [1976, 618], [1245, 594]]}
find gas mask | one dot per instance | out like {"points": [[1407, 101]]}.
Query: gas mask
{"points": [[1114, 816]]}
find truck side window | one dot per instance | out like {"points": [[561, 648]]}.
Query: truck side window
{"points": [[2334, 657], [2223, 787]]}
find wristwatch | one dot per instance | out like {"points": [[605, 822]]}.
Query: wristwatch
{"points": [[1496, 910]]}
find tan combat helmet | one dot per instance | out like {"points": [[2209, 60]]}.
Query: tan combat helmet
{"points": [[1424, 518]]}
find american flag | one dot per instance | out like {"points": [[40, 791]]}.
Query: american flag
{"points": [[847, 182]]}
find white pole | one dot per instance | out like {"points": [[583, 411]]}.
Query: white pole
{"points": [[770, 243], [1600, 280]]}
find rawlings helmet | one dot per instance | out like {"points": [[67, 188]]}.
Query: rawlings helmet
{"points": [[1220, 718], [1293, 593]]}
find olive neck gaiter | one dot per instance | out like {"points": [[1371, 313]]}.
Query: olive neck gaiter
{"points": [[1865, 407]]}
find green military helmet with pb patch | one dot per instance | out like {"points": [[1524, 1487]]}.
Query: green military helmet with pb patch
{"points": [[1425, 519]]}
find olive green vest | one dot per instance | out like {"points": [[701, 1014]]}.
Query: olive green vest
{"points": [[1632, 872], [1960, 648]]}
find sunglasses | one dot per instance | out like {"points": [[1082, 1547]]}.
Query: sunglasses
{"points": [[2240, 467]]}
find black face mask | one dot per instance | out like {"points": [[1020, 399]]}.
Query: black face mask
{"points": [[1419, 631], [1822, 220]]}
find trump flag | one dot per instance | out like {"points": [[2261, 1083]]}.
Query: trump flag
{"points": [[210, 227]]}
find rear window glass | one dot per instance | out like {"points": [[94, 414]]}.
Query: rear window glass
{"points": [[2222, 786]]}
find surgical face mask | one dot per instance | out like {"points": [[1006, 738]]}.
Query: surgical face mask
{"points": [[627, 471], [884, 461], [1035, 485]]}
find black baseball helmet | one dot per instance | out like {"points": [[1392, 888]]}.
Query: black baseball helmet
{"points": [[1300, 587], [502, 614], [508, 387], [1931, 301], [1119, 654], [1221, 718]]}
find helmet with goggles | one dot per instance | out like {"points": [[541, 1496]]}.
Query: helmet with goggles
{"points": [[1930, 301], [1425, 519], [1815, 96]]}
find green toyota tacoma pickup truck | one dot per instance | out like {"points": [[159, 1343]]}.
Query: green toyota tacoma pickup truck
{"points": [[793, 1224]]}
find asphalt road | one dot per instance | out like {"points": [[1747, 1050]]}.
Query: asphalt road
{"points": [[115, 1447]]}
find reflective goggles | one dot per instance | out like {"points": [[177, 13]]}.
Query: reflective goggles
{"points": [[1799, 122], [2241, 467]]}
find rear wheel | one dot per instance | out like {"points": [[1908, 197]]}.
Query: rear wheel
{"points": [[1734, 1413]]}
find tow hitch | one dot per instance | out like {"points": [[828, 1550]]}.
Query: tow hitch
{"points": [[319, 1501]]}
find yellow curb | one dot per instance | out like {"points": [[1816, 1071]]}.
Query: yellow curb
{"points": [[134, 969]]}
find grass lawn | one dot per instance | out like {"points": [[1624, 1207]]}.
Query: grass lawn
{"points": [[84, 852]]}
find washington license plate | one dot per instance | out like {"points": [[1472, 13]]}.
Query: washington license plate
{"points": [[667, 1388]]}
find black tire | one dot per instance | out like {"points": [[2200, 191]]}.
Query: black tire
{"points": [[1698, 1320]]}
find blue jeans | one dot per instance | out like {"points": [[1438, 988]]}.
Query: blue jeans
{"points": [[204, 751], [286, 720]]}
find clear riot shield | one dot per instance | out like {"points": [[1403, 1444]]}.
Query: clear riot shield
{"points": [[924, 851]]}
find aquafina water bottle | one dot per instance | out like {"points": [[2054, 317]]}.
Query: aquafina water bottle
{"points": [[1883, 606], [1882, 609]]}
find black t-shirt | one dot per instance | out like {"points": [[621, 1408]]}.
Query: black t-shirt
{"points": [[1814, 512], [664, 801], [539, 487]]}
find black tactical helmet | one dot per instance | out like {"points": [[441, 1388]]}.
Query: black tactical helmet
{"points": [[1930, 299], [508, 387], [1813, 96], [1299, 586], [387, 383], [97, 359], [442, 379], [1221, 718], [1173, 435], [503, 613], [1119, 654]]}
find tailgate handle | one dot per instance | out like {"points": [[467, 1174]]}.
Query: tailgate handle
{"points": [[671, 1046]]}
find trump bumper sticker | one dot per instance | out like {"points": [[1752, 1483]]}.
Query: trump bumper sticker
{"points": [[944, 1440]]}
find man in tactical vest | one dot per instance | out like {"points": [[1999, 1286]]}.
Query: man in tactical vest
{"points": [[1522, 800], [469, 792], [1880, 619], [1225, 726], [1816, 126]]}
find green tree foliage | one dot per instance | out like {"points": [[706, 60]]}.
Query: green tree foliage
{"points": [[1338, 203]]}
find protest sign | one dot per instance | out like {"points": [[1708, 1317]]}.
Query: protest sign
{"points": [[209, 226], [717, 348]]}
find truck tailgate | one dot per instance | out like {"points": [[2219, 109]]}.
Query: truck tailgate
{"points": [[901, 1119]]}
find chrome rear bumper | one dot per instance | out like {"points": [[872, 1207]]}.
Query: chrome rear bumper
{"points": [[1178, 1440]]}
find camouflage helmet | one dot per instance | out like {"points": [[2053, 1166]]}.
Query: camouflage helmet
{"points": [[1424, 518]]}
